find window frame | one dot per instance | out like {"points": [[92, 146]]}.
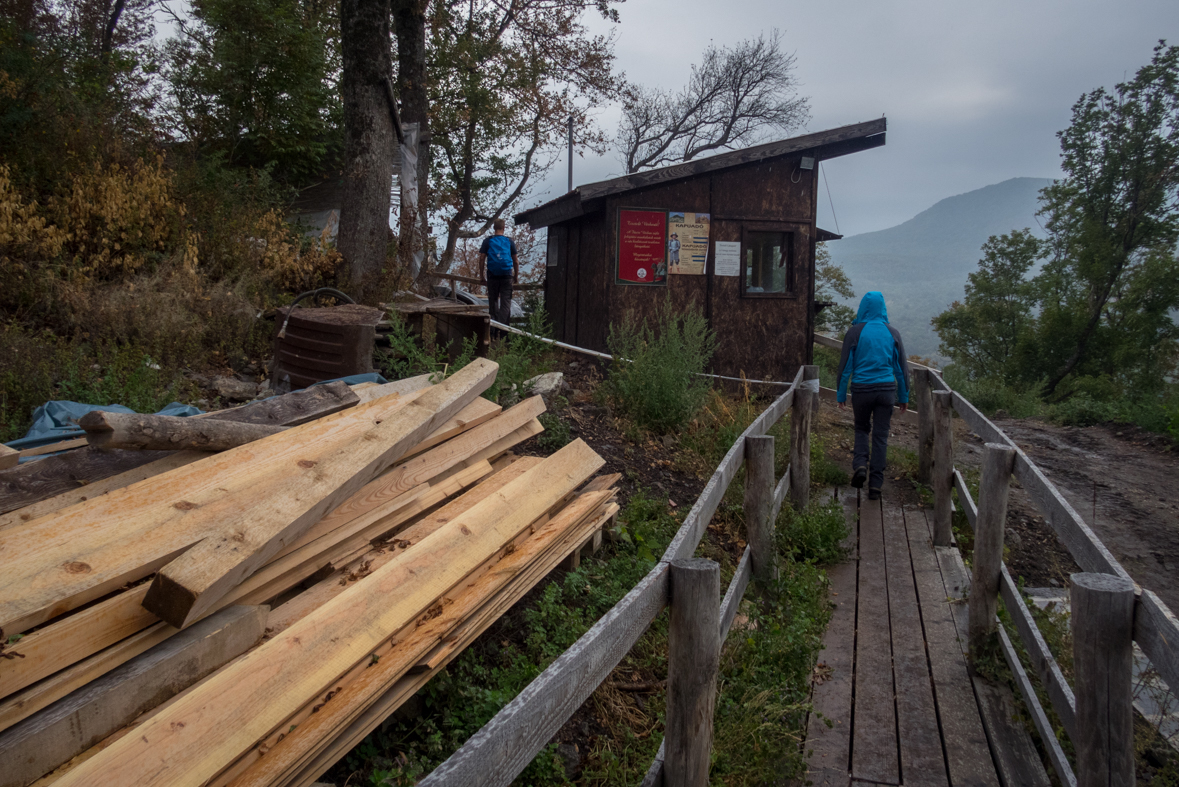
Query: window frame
{"points": [[793, 233]]}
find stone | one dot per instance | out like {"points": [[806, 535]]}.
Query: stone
{"points": [[546, 386], [571, 758], [1014, 540], [231, 390]]}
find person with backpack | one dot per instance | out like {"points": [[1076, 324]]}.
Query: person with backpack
{"points": [[874, 365], [500, 269]]}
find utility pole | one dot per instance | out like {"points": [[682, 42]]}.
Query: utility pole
{"points": [[571, 153]]}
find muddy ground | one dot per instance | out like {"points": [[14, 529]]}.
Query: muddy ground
{"points": [[1118, 479]]}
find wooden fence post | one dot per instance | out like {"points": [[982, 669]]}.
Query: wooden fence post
{"points": [[759, 499], [693, 657], [998, 461], [943, 467], [811, 372], [1103, 625], [801, 410], [924, 391]]}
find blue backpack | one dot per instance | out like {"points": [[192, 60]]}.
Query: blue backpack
{"points": [[499, 255]]}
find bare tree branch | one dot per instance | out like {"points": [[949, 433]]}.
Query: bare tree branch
{"points": [[732, 99]]}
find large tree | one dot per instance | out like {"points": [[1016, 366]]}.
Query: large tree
{"points": [[369, 138], [734, 97], [1102, 305], [505, 79]]}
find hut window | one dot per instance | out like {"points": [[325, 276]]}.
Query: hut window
{"points": [[768, 264]]}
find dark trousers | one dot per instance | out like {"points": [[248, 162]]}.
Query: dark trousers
{"points": [[499, 299], [873, 412]]}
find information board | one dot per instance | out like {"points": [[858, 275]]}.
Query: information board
{"points": [[642, 247], [727, 258], [687, 243]]}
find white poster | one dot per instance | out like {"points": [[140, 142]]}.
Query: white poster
{"points": [[727, 258]]}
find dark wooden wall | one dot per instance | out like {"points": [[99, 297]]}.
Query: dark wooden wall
{"points": [[760, 338]]}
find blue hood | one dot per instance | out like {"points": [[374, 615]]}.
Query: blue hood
{"points": [[872, 308]]}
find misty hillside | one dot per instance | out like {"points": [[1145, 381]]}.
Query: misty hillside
{"points": [[922, 264]]}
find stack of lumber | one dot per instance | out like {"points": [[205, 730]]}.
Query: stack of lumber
{"points": [[244, 605]]}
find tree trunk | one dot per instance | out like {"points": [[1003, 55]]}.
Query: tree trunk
{"points": [[409, 18], [369, 140]]}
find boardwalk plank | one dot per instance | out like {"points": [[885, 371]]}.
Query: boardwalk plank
{"points": [[874, 744], [830, 746], [967, 752], [922, 761]]}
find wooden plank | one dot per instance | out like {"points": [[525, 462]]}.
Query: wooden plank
{"points": [[829, 748], [874, 744], [69, 557], [473, 605], [40, 695], [735, 592], [693, 656], [53, 448], [1043, 662], [922, 762], [1157, 632], [1102, 619], [88, 715], [1044, 727], [1014, 754], [964, 498], [400, 387], [654, 775], [9, 457], [316, 596], [201, 734], [77, 637], [496, 754], [409, 685], [968, 757], [780, 492], [168, 433], [36, 481], [276, 513], [477, 412]]}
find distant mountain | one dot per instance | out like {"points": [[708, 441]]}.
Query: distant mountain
{"points": [[921, 265]]}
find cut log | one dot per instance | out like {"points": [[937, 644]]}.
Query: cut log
{"points": [[69, 557], [37, 481], [281, 510], [108, 431], [88, 715], [201, 733]]}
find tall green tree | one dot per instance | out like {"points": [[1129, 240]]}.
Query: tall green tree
{"points": [[832, 281], [1113, 222], [983, 332], [256, 80], [1102, 304]]}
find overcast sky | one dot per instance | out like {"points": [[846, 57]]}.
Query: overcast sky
{"points": [[974, 91]]}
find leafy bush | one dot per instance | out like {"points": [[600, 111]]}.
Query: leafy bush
{"points": [[658, 384], [812, 536], [407, 356], [521, 358], [556, 433]]}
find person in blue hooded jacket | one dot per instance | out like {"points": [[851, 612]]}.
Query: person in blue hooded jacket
{"points": [[874, 366]]}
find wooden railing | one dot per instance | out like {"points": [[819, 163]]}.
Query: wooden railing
{"points": [[1108, 610], [699, 622]]}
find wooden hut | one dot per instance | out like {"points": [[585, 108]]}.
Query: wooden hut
{"points": [[734, 233]]}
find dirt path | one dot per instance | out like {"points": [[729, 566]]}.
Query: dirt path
{"points": [[1123, 484]]}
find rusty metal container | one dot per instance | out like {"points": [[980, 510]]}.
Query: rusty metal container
{"points": [[322, 344]]}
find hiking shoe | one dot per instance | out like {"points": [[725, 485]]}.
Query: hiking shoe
{"points": [[873, 494], [859, 477]]}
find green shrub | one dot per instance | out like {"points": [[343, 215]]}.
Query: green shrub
{"points": [[658, 385], [556, 433], [812, 536]]}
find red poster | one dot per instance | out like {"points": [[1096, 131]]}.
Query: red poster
{"points": [[642, 247]]}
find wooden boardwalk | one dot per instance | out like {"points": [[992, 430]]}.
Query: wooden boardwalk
{"points": [[895, 684]]}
